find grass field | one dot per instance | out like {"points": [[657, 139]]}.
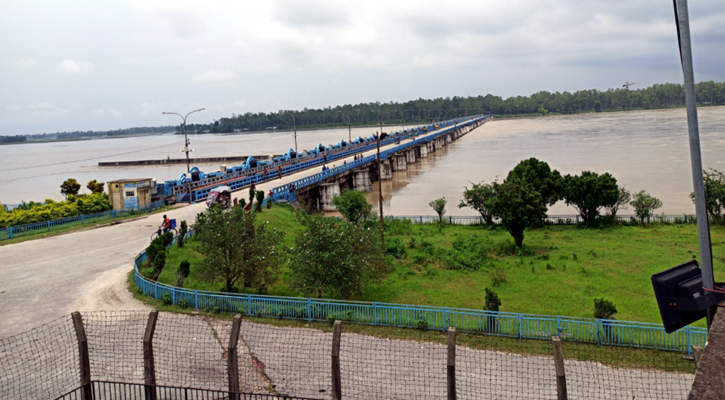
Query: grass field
{"points": [[561, 270]]}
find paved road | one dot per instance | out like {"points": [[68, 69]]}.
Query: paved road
{"points": [[44, 279]]}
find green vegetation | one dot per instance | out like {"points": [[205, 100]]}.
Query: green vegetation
{"points": [[590, 192], [335, 258], [70, 187], [237, 250], [560, 270], [644, 205], [714, 194], [352, 205], [30, 213], [439, 206], [425, 110]]}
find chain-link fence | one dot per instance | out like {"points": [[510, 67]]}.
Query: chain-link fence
{"points": [[141, 353]]}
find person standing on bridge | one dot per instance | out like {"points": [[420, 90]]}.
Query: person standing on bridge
{"points": [[279, 172]]}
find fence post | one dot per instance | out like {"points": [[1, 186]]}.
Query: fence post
{"points": [[309, 309], [83, 356], [688, 350], [560, 373], [149, 371], [336, 378], [83, 219], [10, 231], [598, 323], [375, 314], [451, 363], [697, 350], [232, 365], [48, 225], [196, 299]]}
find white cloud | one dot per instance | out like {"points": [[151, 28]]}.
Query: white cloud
{"points": [[14, 108], [25, 64], [68, 66], [217, 77], [104, 112]]}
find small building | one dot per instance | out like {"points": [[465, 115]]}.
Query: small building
{"points": [[129, 193]]}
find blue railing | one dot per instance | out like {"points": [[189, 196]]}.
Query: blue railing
{"points": [[600, 332], [283, 193], [30, 229], [201, 190]]}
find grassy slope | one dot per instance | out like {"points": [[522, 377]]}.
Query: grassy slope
{"points": [[614, 263]]}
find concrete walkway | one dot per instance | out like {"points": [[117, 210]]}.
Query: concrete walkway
{"points": [[44, 279]]}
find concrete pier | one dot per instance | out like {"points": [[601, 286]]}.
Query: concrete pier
{"points": [[399, 162], [361, 181], [423, 151], [327, 192], [411, 157], [431, 147], [386, 170]]}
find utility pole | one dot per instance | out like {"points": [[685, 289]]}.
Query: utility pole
{"points": [[186, 138], [294, 122], [380, 189], [703, 225]]}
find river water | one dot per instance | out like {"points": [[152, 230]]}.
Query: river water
{"points": [[643, 149]]}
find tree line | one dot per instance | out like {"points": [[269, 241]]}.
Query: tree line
{"points": [[141, 130], [425, 110]]}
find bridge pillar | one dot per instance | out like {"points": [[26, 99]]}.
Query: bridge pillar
{"points": [[399, 162], [431, 146], [386, 170], [327, 192], [361, 181], [448, 138], [423, 150], [410, 156]]}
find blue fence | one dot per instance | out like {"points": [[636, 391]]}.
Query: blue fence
{"points": [[600, 332], [551, 219], [30, 229]]}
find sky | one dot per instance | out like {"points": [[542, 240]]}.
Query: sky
{"points": [[101, 65]]}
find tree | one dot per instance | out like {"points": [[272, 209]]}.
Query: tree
{"points": [[493, 302], [95, 186], [541, 179], [714, 194], [439, 206], [237, 250], [352, 205], [70, 187], [622, 201], [644, 204], [480, 197], [604, 309], [260, 200], [589, 192], [519, 206], [335, 258]]}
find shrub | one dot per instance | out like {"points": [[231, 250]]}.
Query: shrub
{"points": [[412, 243], [352, 205], [260, 199], [166, 298], [182, 303], [604, 309], [498, 277], [493, 302], [182, 273], [395, 247], [422, 323], [183, 229]]}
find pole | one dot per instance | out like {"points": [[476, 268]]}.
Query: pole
{"points": [[380, 192], [186, 148], [294, 121], [349, 131], [703, 225]]}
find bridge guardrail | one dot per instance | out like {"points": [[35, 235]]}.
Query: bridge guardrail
{"points": [[598, 332], [283, 192], [241, 179], [29, 229]]}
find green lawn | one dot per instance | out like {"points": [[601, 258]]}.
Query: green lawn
{"points": [[561, 270]]}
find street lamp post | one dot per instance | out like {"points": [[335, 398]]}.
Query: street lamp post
{"points": [[294, 122], [380, 188], [186, 138]]}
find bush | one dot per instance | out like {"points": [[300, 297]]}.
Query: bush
{"points": [[422, 323], [498, 277], [604, 309], [166, 298], [352, 205], [182, 273], [439, 206], [183, 229], [493, 302], [395, 247], [182, 303]]}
